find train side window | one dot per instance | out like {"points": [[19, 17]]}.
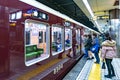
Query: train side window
{"points": [[57, 40], [36, 47], [68, 38]]}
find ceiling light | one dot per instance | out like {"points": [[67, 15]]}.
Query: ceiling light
{"points": [[88, 7], [91, 13]]}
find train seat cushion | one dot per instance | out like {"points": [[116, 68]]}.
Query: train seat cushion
{"points": [[32, 50]]}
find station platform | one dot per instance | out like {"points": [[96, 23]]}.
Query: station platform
{"points": [[92, 71]]}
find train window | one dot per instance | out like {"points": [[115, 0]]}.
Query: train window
{"points": [[36, 47], [19, 15], [78, 40], [13, 15], [57, 40], [68, 38], [35, 13]]}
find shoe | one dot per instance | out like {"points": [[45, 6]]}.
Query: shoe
{"points": [[108, 76], [88, 58], [69, 56], [112, 75]]}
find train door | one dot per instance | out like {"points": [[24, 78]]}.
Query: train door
{"points": [[68, 38], [78, 41], [57, 39], [36, 41]]}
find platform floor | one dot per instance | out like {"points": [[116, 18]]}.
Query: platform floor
{"points": [[76, 70], [92, 71]]}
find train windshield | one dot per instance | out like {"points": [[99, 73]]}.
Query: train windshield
{"points": [[36, 42]]}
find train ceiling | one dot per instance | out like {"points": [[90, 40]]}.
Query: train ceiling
{"points": [[69, 8]]}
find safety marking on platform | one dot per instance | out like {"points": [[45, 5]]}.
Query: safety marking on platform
{"points": [[95, 73], [92, 71], [85, 71]]}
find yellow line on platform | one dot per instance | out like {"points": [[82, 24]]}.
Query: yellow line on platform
{"points": [[95, 73], [36, 71]]}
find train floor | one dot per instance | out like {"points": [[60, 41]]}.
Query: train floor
{"points": [[92, 71]]}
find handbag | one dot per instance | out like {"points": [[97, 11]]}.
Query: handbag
{"points": [[94, 48], [103, 65]]}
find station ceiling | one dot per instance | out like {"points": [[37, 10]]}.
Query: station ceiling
{"points": [[100, 8], [71, 9]]}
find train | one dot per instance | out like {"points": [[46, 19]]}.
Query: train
{"points": [[33, 36]]}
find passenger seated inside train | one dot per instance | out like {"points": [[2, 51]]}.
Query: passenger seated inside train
{"points": [[67, 42], [59, 45]]}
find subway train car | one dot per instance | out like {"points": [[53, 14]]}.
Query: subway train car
{"points": [[34, 41]]}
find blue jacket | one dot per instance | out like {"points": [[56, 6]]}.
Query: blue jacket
{"points": [[96, 41]]}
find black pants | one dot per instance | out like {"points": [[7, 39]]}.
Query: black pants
{"points": [[110, 67], [96, 54], [74, 50]]}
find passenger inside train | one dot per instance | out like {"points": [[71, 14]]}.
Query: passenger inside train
{"points": [[67, 41]]}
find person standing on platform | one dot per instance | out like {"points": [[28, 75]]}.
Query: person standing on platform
{"points": [[108, 52], [96, 42], [88, 45], [85, 51], [67, 43]]}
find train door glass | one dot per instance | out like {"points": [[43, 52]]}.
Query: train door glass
{"points": [[78, 40], [68, 38], [36, 47], [57, 40]]}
